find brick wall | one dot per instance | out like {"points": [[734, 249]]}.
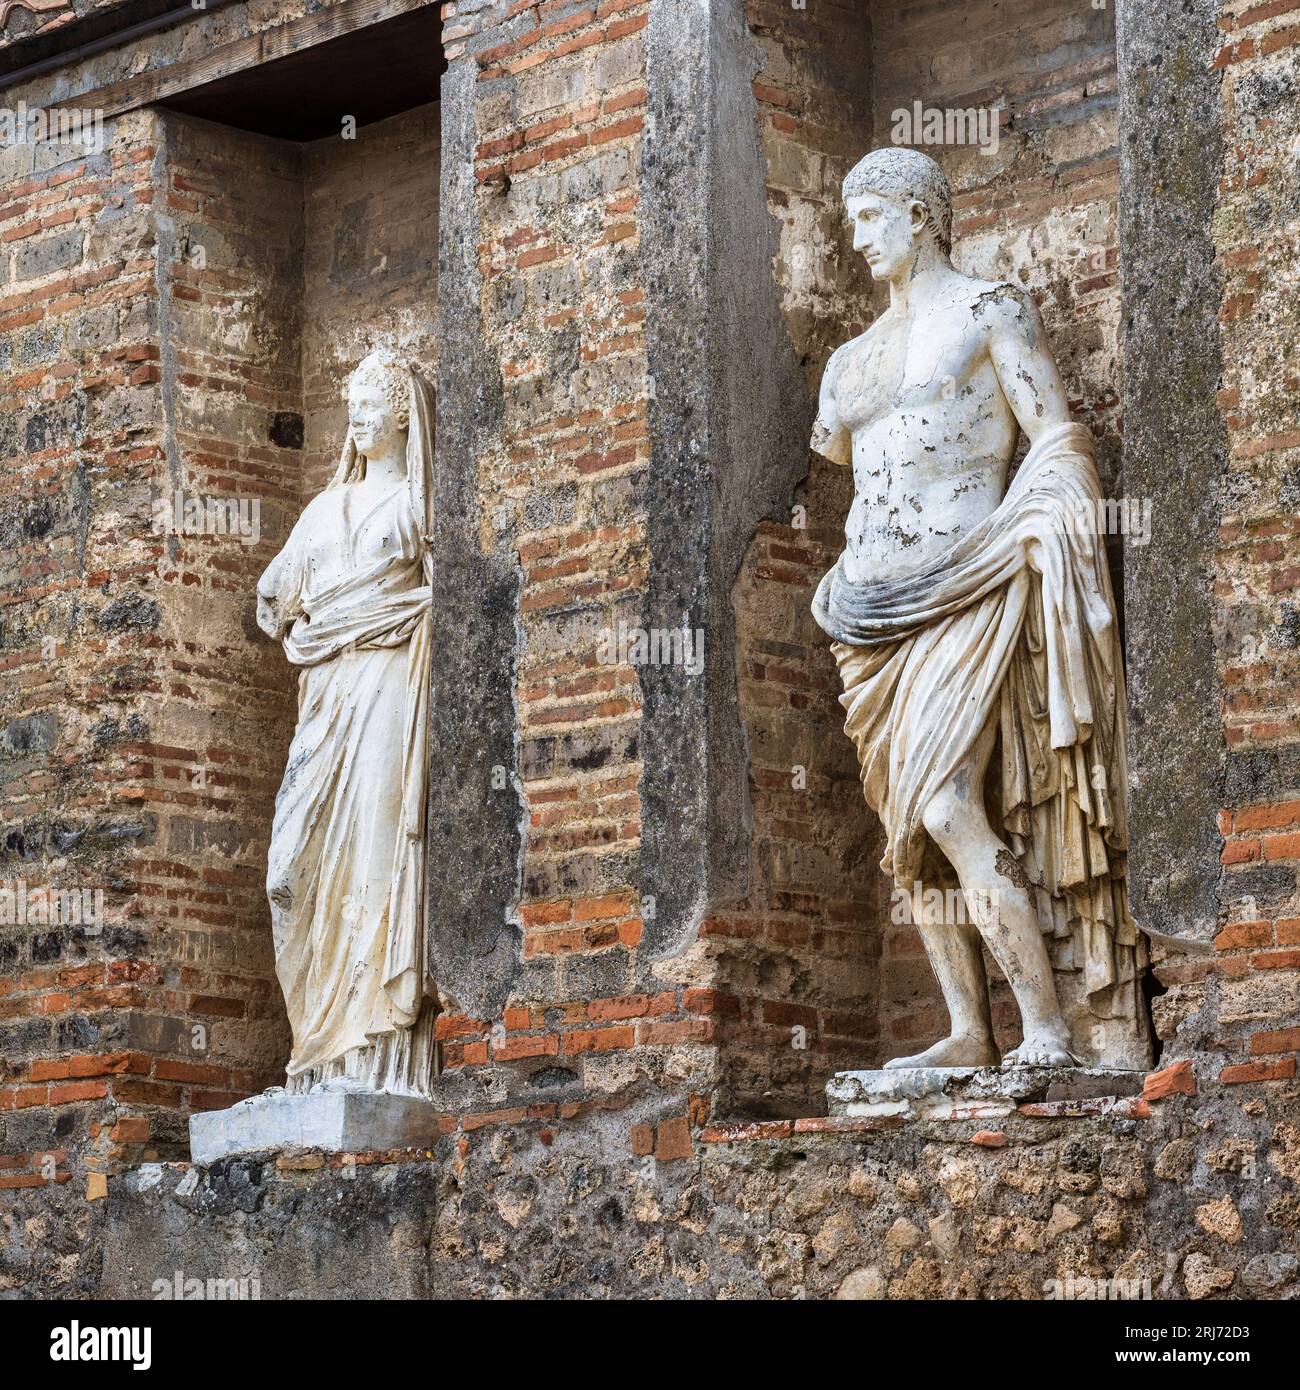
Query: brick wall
{"points": [[230, 243], [1251, 988], [163, 326], [798, 960], [606, 1050], [559, 109], [83, 441]]}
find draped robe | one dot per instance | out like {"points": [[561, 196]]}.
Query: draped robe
{"points": [[350, 599], [981, 634]]}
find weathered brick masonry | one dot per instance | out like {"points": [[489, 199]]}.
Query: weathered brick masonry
{"points": [[655, 907]]}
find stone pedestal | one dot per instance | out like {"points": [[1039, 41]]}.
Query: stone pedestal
{"points": [[979, 1093], [333, 1121]]}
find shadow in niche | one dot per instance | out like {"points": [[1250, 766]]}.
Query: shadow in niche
{"points": [[367, 75]]}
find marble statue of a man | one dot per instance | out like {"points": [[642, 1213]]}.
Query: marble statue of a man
{"points": [[975, 633], [349, 596]]}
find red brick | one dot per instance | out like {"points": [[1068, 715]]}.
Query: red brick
{"points": [[1239, 935], [746, 1131], [598, 1040], [1267, 817], [667, 1034], [1275, 960], [133, 1091], [625, 1006], [131, 1129], [198, 1073], [1175, 1079], [1280, 1040], [1239, 852], [515, 1049], [9, 1180], [673, 1141], [1258, 1071], [78, 1090], [613, 905], [545, 914], [457, 1026]]}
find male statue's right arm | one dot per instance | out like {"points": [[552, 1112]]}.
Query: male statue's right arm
{"points": [[829, 437]]}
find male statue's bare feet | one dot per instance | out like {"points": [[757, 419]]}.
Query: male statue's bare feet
{"points": [[956, 1050], [1045, 1046]]}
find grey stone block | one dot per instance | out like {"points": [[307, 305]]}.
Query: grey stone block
{"points": [[333, 1121]]}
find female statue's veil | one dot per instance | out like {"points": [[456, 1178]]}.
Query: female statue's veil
{"points": [[419, 446]]}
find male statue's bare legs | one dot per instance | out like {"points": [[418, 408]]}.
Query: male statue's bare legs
{"points": [[958, 964], [998, 899]]}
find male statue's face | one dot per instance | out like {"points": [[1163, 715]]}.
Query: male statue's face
{"points": [[885, 231], [375, 425]]}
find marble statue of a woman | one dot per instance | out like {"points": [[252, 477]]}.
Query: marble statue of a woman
{"points": [[349, 597]]}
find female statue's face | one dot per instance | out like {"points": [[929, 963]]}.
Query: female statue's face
{"points": [[377, 429]]}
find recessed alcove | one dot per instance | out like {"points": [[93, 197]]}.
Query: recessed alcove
{"points": [[822, 974], [300, 202]]}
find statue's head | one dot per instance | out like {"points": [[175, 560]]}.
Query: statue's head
{"points": [[896, 199], [379, 404]]}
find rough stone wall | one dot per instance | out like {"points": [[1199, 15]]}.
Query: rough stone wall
{"points": [[1237, 1011], [564, 1207], [1256, 569]]}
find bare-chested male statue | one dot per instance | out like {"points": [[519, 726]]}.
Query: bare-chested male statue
{"points": [[975, 633]]}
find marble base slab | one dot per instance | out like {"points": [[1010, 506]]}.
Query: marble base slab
{"points": [[972, 1093], [338, 1121]]}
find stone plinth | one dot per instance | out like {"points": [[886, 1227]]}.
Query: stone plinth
{"points": [[333, 1121], [978, 1093]]}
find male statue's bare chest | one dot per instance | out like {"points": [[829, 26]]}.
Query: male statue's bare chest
{"points": [[907, 361]]}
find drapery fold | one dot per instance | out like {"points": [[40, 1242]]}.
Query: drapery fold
{"points": [[1014, 623]]}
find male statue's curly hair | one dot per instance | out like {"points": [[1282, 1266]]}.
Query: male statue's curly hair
{"points": [[894, 172]]}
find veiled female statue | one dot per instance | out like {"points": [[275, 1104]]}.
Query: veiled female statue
{"points": [[349, 597]]}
